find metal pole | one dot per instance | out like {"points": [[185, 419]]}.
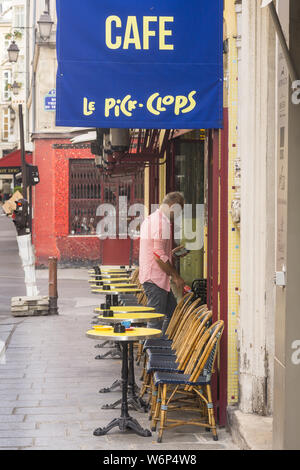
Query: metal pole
{"points": [[53, 295], [286, 52], [30, 208], [23, 157]]}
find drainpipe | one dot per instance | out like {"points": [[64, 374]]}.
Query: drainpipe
{"points": [[33, 71], [27, 75]]}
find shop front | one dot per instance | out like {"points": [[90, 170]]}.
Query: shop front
{"points": [[70, 203], [10, 166]]}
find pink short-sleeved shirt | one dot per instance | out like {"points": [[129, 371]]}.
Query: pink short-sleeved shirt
{"points": [[155, 237]]}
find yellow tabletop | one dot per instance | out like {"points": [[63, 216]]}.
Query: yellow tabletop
{"points": [[132, 317], [112, 275], [116, 291], [110, 280], [136, 334], [127, 309], [114, 270], [114, 266], [110, 272], [117, 286]]}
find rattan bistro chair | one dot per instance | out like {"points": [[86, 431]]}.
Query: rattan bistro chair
{"points": [[174, 325], [180, 308], [196, 378], [177, 362], [166, 346]]}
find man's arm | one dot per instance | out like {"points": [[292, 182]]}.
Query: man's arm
{"points": [[171, 271]]}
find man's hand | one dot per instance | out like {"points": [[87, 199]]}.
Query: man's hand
{"points": [[178, 248], [179, 282]]}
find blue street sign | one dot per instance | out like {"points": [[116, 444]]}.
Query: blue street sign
{"points": [[50, 101], [140, 64]]}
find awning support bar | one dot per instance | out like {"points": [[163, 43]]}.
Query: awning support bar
{"points": [[286, 52]]}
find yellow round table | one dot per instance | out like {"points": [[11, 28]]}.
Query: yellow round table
{"points": [[112, 275], [131, 316], [110, 280], [117, 291], [137, 334], [110, 270], [126, 309], [115, 286]]}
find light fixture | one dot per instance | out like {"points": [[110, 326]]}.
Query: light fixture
{"points": [[13, 52], [45, 24], [15, 88]]}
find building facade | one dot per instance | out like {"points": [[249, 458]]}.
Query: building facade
{"points": [[237, 176]]}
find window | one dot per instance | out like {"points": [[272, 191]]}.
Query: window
{"points": [[19, 17], [6, 124], [6, 46], [89, 188], [85, 196], [6, 94]]}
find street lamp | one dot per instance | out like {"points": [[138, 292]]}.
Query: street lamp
{"points": [[15, 88], [13, 52], [45, 24]]}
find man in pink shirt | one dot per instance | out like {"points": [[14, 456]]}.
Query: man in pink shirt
{"points": [[155, 263]]}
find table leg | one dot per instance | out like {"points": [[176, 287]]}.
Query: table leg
{"points": [[138, 403], [134, 401], [125, 421]]}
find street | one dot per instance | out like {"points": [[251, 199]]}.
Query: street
{"points": [[49, 381]]}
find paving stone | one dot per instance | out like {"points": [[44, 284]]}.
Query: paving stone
{"points": [[53, 427], [40, 395], [15, 442], [12, 418], [19, 403], [7, 410], [16, 426], [40, 410], [62, 444], [11, 375], [32, 433], [57, 418], [8, 395]]}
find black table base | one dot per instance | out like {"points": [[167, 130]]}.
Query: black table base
{"points": [[124, 424], [103, 345], [112, 353], [117, 384], [125, 421], [134, 401]]}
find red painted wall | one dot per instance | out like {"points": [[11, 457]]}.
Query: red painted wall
{"points": [[51, 212], [51, 206]]}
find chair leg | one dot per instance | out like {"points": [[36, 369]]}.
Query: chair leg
{"points": [[163, 412], [139, 353], [145, 385], [152, 397], [155, 416], [144, 373], [211, 415]]}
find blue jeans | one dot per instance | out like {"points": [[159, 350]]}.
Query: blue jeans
{"points": [[163, 301]]}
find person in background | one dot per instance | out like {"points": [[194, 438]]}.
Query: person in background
{"points": [[6, 190], [156, 259]]}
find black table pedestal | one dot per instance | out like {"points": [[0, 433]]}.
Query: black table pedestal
{"points": [[134, 401], [125, 421]]}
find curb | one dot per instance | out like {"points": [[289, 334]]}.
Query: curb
{"points": [[249, 431]]}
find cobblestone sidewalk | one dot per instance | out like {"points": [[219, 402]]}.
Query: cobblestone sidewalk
{"points": [[49, 383]]}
